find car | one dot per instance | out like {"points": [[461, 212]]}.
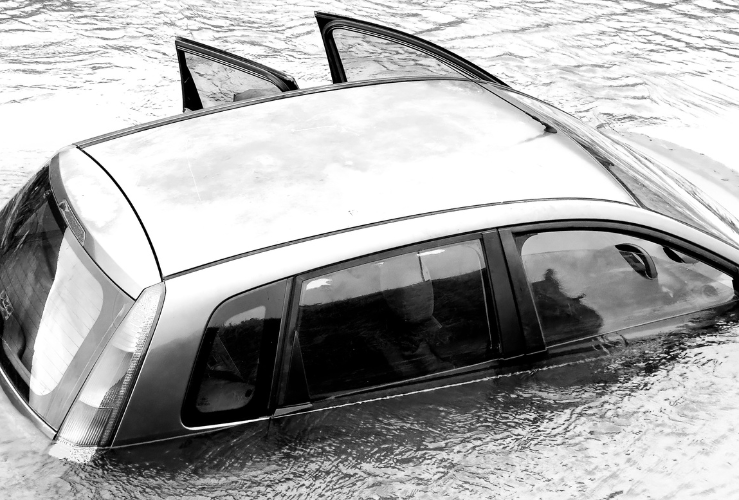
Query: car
{"points": [[275, 251]]}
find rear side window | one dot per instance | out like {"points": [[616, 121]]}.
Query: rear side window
{"points": [[587, 283], [233, 374], [394, 319], [367, 57]]}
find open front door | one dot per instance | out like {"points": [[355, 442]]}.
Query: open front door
{"points": [[359, 50], [211, 76]]}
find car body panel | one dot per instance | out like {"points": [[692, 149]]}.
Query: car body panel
{"points": [[192, 297], [279, 171], [112, 233]]}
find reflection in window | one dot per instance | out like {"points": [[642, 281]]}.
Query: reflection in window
{"points": [[367, 57], [219, 84], [590, 282], [231, 370], [394, 319]]}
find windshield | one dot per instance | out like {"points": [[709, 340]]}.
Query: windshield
{"points": [[56, 306], [653, 185]]}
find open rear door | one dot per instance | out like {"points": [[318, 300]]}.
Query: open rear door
{"points": [[358, 50], [212, 76]]}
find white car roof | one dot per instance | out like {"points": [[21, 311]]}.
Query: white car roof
{"points": [[251, 177]]}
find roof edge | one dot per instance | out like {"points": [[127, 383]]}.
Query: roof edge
{"points": [[380, 223], [240, 104]]}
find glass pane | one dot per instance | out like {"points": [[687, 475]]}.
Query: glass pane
{"points": [[232, 377], [590, 282], [394, 319], [56, 306], [231, 370], [367, 57], [218, 83]]}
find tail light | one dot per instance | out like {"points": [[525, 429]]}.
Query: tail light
{"points": [[94, 416]]}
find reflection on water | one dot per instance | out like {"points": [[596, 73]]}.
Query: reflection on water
{"points": [[655, 422]]}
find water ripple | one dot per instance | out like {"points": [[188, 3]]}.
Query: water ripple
{"points": [[656, 422]]}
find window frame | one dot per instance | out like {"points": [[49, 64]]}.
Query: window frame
{"points": [[327, 23], [288, 398], [523, 293]]}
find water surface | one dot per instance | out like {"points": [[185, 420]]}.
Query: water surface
{"points": [[659, 422]]}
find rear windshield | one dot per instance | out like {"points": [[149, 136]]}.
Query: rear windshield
{"points": [[56, 306]]}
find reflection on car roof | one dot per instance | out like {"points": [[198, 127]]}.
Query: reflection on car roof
{"points": [[247, 178]]}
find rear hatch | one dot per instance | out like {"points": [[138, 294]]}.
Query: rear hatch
{"points": [[58, 305]]}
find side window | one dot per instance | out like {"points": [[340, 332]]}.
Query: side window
{"points": [[394, 319], [367, 57], [217, 83], [210, 76], [233, 374], [587, 283]]}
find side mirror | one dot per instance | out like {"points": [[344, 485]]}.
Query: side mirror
{"points": [[639, 260]]}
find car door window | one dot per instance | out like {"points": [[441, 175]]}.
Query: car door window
{"points": [[232, 376], [587, 283], [358, 50], [367, 57], [211, 76], [394, 319]]}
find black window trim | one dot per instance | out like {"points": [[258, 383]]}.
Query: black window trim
{"points": [[288, 336], [512, 342], [524, 296], [327, 23]]}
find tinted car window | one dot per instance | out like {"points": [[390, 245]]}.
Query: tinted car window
{"points": [[393, 319], [218, 83], [366, 57], [234, 370], [588, 283]]}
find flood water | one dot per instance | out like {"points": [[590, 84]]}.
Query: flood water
{"points": [[656, 422]]}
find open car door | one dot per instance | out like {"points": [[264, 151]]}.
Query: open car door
{"points": [[358, 50], [211, 76]]}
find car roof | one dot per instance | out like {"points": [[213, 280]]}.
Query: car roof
{"points": [[254, 176]]}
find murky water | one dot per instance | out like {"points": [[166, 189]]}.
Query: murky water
{"points": [[657, 423]]}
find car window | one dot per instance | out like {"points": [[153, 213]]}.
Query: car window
{"points": [[587, 283], [233, 373], [367, 57], [394, 319], [211, 76], [217, 83]]}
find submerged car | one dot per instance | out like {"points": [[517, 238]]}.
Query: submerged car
{"points": [[274, 251]]}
